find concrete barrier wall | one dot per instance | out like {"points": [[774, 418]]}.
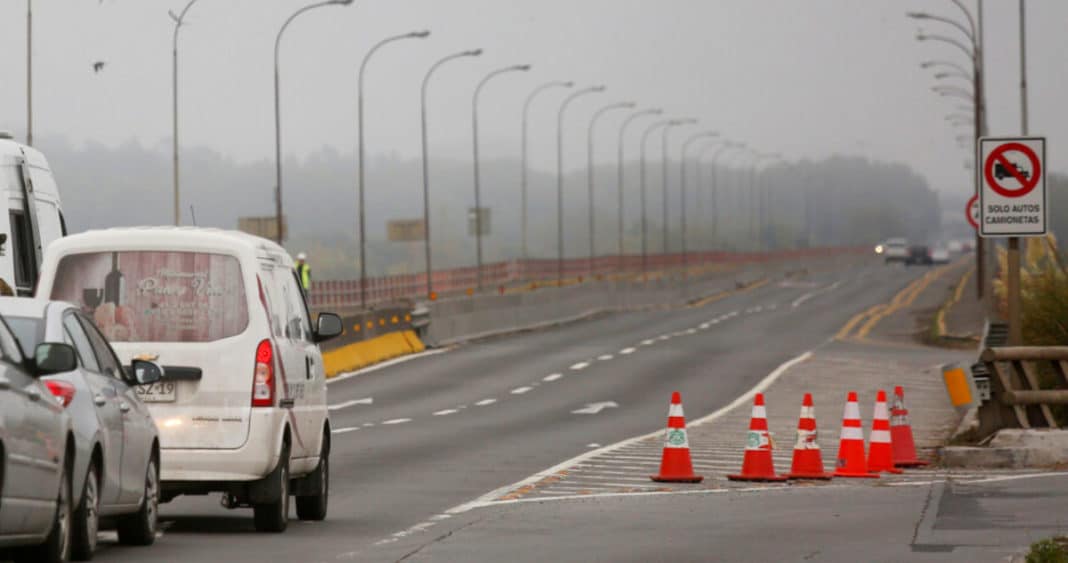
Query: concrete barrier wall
{"points": [[371, 337]]}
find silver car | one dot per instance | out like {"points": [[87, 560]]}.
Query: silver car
{"points": [[36, 453], [116, 464]]}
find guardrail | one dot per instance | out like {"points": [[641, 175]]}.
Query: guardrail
{"points": [[345, 294], [1017, 399]]}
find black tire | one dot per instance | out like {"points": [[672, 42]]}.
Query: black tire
{"points": [[273, 517], [313, 507], [140, 528], [56, 548], [85, 522]]}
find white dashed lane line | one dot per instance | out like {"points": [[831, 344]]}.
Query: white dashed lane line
{"points": [[648, 342], [344, 430], [397, 421], [626, 351], [446, 412], [521, 390], [605, 357], [580, 365], [552, 377], [485, 402]]}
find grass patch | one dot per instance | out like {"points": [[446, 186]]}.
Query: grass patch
{"points": [[1053, 550]]}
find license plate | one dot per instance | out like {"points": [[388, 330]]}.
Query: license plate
{"points": [[162, 392]]}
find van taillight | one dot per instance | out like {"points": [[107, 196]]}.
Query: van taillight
{"points": [[63, 391], [263, 376]]}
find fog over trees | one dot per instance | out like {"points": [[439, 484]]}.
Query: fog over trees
{"points": [[837, 201]]}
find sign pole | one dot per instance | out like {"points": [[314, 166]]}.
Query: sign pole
{"points": [[1013, 277]]}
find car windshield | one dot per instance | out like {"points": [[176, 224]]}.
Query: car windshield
{"points": [[29, 331]]}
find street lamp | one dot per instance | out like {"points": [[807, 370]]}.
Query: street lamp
{"points": [[620, 177], [526, 168], [179, 19], [757, 209], [560, 177], [278, 110], [641, 174], [589, 166], [362, 152], [478, 191], [946, 64], [664, 159], [961, 75], [682, 180], [29, 72], [720, 149], [426, 166]]}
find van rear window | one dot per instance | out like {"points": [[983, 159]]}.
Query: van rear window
{"points": [[155, 296]]}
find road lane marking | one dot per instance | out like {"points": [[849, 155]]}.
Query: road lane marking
{"points": [[691, 331], [521, 390], [386, 364], [446, 412], [552, 377], [485, 402], [368, 424], [397, 421], [580, 365], [595, 408], [344, 430], [801, 300], [347, 404], [626, 351], [605, 357], [664, 337], [593, 445], [704, 326], [648, 342]]}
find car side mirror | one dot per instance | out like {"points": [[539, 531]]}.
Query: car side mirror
{"points": [[328, 326], [54, 357], [146, 372]]}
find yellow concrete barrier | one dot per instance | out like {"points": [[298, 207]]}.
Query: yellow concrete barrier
{"points": [[368, 352]]}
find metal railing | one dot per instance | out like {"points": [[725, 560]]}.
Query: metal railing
{"points": [[1017, 399]]}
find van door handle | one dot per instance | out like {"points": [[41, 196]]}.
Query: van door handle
{"points": [[308, 366], [33, 394], [100, 400]]}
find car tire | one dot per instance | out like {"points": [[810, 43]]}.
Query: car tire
{"points": [[273, 517], [56, 548], [140, 528], [313, 507], [85, 522]]}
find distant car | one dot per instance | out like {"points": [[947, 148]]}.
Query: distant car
{"points": [[919, 255], [116, 467], [36, 453], [895, 250], [955, 247], [940, 255]]}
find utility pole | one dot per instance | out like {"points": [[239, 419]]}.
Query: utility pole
{"points": [[29, 72], [1013, 275]]}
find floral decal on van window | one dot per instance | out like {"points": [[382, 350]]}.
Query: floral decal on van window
{"points": [[151, 296]]}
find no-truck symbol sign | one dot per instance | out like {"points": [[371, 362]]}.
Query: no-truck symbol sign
{"points": [[1012, 186], [971, 211]]}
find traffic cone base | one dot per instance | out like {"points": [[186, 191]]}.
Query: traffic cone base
{"points": [[757, 465], [675, 463]]}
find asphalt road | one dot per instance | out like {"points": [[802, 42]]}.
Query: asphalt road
{"points": [[443, 429]]}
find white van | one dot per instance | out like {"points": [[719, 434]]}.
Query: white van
{"points": [[241, 408], [31, 216]]}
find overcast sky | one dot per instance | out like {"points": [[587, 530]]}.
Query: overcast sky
{"points": [[805, 78]]}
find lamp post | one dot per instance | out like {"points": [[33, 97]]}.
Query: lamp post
{"points": [[426, 164], [682, 182], [524, 150], [620, 177], [560, 177], [590, 167], [29, 72], [664, 160], [362, 156], [478, 190], [179, 19], [641, 174], [720, 149], [278, 110]]}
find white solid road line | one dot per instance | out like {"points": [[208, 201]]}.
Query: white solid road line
{"points": [[485, 402], [397, 421], [521, 390], [386, 364], [446, 412], [626, 351], [347, 404], [801, 300], [605, 357], [552, 377], [343, 430], [580, 365]]}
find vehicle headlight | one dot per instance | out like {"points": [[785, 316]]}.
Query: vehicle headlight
{"points": [[879, 249]]}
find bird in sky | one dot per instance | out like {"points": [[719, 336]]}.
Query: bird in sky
{"points": [[98, 66]]}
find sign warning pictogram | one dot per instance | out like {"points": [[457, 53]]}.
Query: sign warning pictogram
{"points": [[1012, 186], [971, 211]]}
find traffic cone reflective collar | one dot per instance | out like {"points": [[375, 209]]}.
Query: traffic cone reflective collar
{"points": [[757, 465], [851, 461], [904, 448], [807, 462], [675, 463], [880, 450]]}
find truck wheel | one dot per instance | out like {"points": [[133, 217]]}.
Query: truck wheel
{"points": [[273, 517]]}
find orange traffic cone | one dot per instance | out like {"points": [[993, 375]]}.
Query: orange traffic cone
{"points": [[807, 461], [757, 464], [880, 449], [851, 461], [675, 463], [901, 433]]}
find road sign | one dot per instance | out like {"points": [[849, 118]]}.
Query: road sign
{"points": [[402, 230], [481, 218], [266, 227], [1012, 186], [971, 211]]}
